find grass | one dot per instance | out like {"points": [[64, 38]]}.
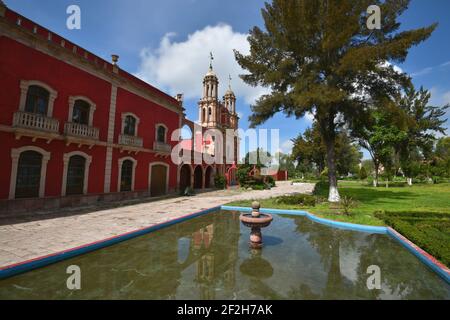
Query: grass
{"points": [[418, 198], [420, 212]]}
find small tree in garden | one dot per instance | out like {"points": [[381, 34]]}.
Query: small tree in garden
{"points": [[423, 123], [318, 56], [363, 173]]}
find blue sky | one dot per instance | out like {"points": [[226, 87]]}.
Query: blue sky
{"points": [[167, 42]]}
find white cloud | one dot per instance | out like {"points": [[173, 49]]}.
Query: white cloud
{"points": [[179, 67], [286, 147], [309, 116]]}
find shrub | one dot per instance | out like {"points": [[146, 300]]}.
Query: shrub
{"points": [[428, 230], [258, 187], [242, 174], [347, 203], [321, 188], [220, 182], [297, 199], [363, 173], [270, 181]]}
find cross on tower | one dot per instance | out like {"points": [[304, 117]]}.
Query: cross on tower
{"points": [[211, 58]]}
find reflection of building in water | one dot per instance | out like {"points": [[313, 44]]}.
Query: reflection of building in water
{"points": [[203, 237], [209, 246], [216, 268]]}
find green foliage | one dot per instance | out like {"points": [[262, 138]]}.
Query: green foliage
{"points": [[220, 182], [428, 230], [312, 53], [303, 200], [363, 173], [324, 173], [321, 188], [270, 181], [347, 203], [242, 174], [310, 151]]}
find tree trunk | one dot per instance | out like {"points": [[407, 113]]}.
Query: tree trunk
{"points": [[377, 167], [333, 195], [409, 180]]}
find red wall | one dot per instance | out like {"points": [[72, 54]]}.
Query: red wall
{"points": [[22, 63], [19, 62]]}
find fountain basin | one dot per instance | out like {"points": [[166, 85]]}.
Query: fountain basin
{"points": [[250, 221]]}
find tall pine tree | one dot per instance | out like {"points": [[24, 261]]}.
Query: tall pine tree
{"points": [[319, 56]]}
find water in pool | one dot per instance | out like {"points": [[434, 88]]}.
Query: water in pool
{"points": [[208, 258]]}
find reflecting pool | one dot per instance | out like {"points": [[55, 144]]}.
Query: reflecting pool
{"points": [[209, 258]]}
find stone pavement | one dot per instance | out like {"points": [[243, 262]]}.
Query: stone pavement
{"points": [[25, 240]]}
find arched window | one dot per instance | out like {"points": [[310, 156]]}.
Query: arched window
{"points": [[161, 134], [203, 119], [28, 174], [126, 179], [37, 100], [75, 175], [81, 110], [129, 126]]}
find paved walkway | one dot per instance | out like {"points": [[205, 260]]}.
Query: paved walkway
{"points": [[31, 239]]}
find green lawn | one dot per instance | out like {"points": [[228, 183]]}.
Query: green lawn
{"points": [[418, 198], [421, 212]]}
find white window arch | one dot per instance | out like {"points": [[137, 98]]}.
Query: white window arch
{"points": [[124, 117], [66, 159], [119, 177], [161, 125], [15, 155], [92, 107], [25, 85]]}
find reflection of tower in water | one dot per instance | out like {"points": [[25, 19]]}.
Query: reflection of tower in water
{"points": [[216, 269]]}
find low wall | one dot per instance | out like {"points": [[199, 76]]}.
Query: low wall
{"points": [[9, 208]]}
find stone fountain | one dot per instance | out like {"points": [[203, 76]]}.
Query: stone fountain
{"points": [[256, 221]]}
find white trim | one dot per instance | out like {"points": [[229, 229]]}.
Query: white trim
{"points": [[25, 84], [119, 177], [66, 159], [124, 115], [92, 108], [15, 155], [151, 165], [110, 139]]}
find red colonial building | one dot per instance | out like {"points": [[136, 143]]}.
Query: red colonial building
{"points": [[76, 129]]}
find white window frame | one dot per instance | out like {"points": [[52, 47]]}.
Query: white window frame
{"points": [[124, 116], [92, 108], [15, 155], [66, 159], [165, 133], [119, 177], [25, 85]]}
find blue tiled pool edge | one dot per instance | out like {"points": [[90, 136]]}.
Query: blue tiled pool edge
{"points": [[425, 258], [29, 265]]}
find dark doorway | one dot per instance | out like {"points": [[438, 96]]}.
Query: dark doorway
{"points": [[198, 176], [208, 176], [185, 177]]}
